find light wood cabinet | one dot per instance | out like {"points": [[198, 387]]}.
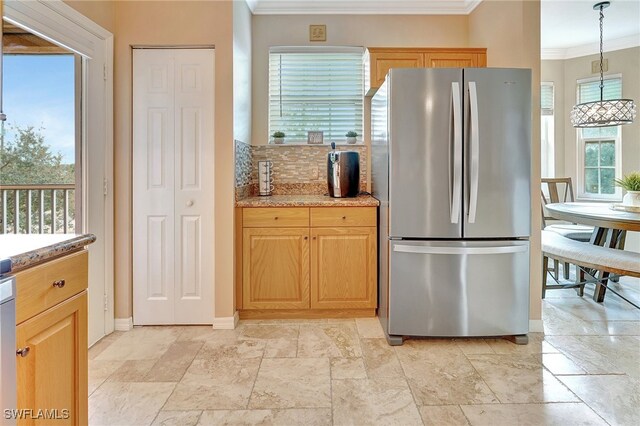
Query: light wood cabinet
{"points": [[379, 60], [327, 268], [51, 339], [53, 374], [343, 268], [275, 268]]}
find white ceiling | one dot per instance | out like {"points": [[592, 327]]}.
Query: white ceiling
{"points": [[569, 28]]}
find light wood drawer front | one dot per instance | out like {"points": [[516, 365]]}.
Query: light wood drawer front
{"points": [[343, 216], [275, 217], [44, 286]]}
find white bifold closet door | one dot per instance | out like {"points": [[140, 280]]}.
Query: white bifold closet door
{"points": [[173, 165]]}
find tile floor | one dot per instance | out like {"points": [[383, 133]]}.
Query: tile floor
{"points": [[584, 370]]}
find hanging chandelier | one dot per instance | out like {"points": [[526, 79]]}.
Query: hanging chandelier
{"points": [[603, 113]]}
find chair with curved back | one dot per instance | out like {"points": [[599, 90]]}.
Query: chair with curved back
{"points": [[560, 190]]}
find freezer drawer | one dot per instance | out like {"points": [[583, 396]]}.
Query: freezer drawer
{"points": [[447, 288]]}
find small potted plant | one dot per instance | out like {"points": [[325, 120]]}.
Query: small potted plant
{"points": [[351, 136], [631, 184], [278, 137]]}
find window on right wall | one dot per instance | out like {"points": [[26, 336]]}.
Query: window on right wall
{"points": [[599, 148]]}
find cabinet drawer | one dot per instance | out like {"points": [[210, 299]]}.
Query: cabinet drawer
{"points": [[35, 289], [343, 216], [275, 217]]}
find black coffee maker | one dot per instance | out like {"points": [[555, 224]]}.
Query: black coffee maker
{"points": [[343, 173]]}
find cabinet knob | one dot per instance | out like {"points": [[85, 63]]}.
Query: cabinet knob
{"points": [[190, 203], [23, 351], [59, 283], [276, 218], [314, 238], [306, 238], [344, 217]]}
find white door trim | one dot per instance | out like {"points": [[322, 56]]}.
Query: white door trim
{"points": [[59, 23]]}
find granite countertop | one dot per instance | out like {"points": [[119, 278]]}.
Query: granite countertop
{"points": [[21, 251], [307, 201]]}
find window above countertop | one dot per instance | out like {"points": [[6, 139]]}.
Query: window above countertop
{"points": [[316, 88]]}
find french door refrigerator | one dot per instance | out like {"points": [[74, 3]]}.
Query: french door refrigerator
{"points": [[451, 155]]}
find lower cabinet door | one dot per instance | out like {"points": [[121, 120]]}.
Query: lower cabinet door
{"points": [[343, 268], [52, 365], [275, 268]]}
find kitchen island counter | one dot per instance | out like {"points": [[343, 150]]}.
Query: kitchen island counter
{"points": [[307, 201]]}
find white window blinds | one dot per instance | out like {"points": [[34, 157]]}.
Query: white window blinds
{"points": [[590, 91], [546, 98], [317, 89]]}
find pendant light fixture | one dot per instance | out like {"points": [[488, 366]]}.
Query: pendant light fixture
{"points": [[603, 113]]}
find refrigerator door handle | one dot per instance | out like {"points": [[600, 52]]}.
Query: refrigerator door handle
{"points": [[475, 152], [456, 196], [460, 250]]}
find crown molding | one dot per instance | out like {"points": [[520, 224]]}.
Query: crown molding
{"points": [[362, 7], [590, 48]]}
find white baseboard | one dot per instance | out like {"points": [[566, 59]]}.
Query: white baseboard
{"points": [[123, 324], [226, 323], [536, 326]]}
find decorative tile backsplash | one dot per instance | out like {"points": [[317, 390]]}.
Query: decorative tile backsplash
{"points": [[243, 164], [296, 169]]}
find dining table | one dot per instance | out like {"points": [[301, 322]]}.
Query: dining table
{"points": [[610, 225]]}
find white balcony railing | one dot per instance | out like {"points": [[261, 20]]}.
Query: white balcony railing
{"points": [[37, 209]]}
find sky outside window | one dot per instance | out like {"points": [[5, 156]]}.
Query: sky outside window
{"points": [[39, 91]]}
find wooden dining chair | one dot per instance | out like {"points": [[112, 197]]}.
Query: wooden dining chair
{"points": [[560, 190]]}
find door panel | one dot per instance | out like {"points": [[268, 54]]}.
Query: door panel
{"points": [[275, 268], [173, 186], [383, 62], [343, 268], [449, 60], [421, 141], [503, 208], [444, 288]]}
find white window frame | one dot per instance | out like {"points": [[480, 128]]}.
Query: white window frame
{"points": [[547, 121], [314, 49], [581, 194]]}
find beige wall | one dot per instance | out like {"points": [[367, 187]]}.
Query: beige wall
{"points": [[553, 71], [510, 30], [99, 11], [343, 30]]}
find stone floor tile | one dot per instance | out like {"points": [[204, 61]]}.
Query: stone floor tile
{"points": [[615, 398], [215, 383], [560, 364], [443, 415], [520, 379], [281, 348], [177, 418], [127, 403], [290, 417], [602, 354], [99, 371], [103, 343], [380, 401], [472, 346], [328, 340], [141, 343], [132, 371], [268, 331], [369, 328], [555, 414], [537, 345], [348, 368], [292, 383], [380, 359], [174, 362]]}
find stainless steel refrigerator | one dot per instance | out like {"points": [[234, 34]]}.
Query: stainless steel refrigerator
{"points": [[451, 156]]}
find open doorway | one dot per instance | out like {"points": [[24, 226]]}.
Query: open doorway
{"points": [[69, 58]]}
